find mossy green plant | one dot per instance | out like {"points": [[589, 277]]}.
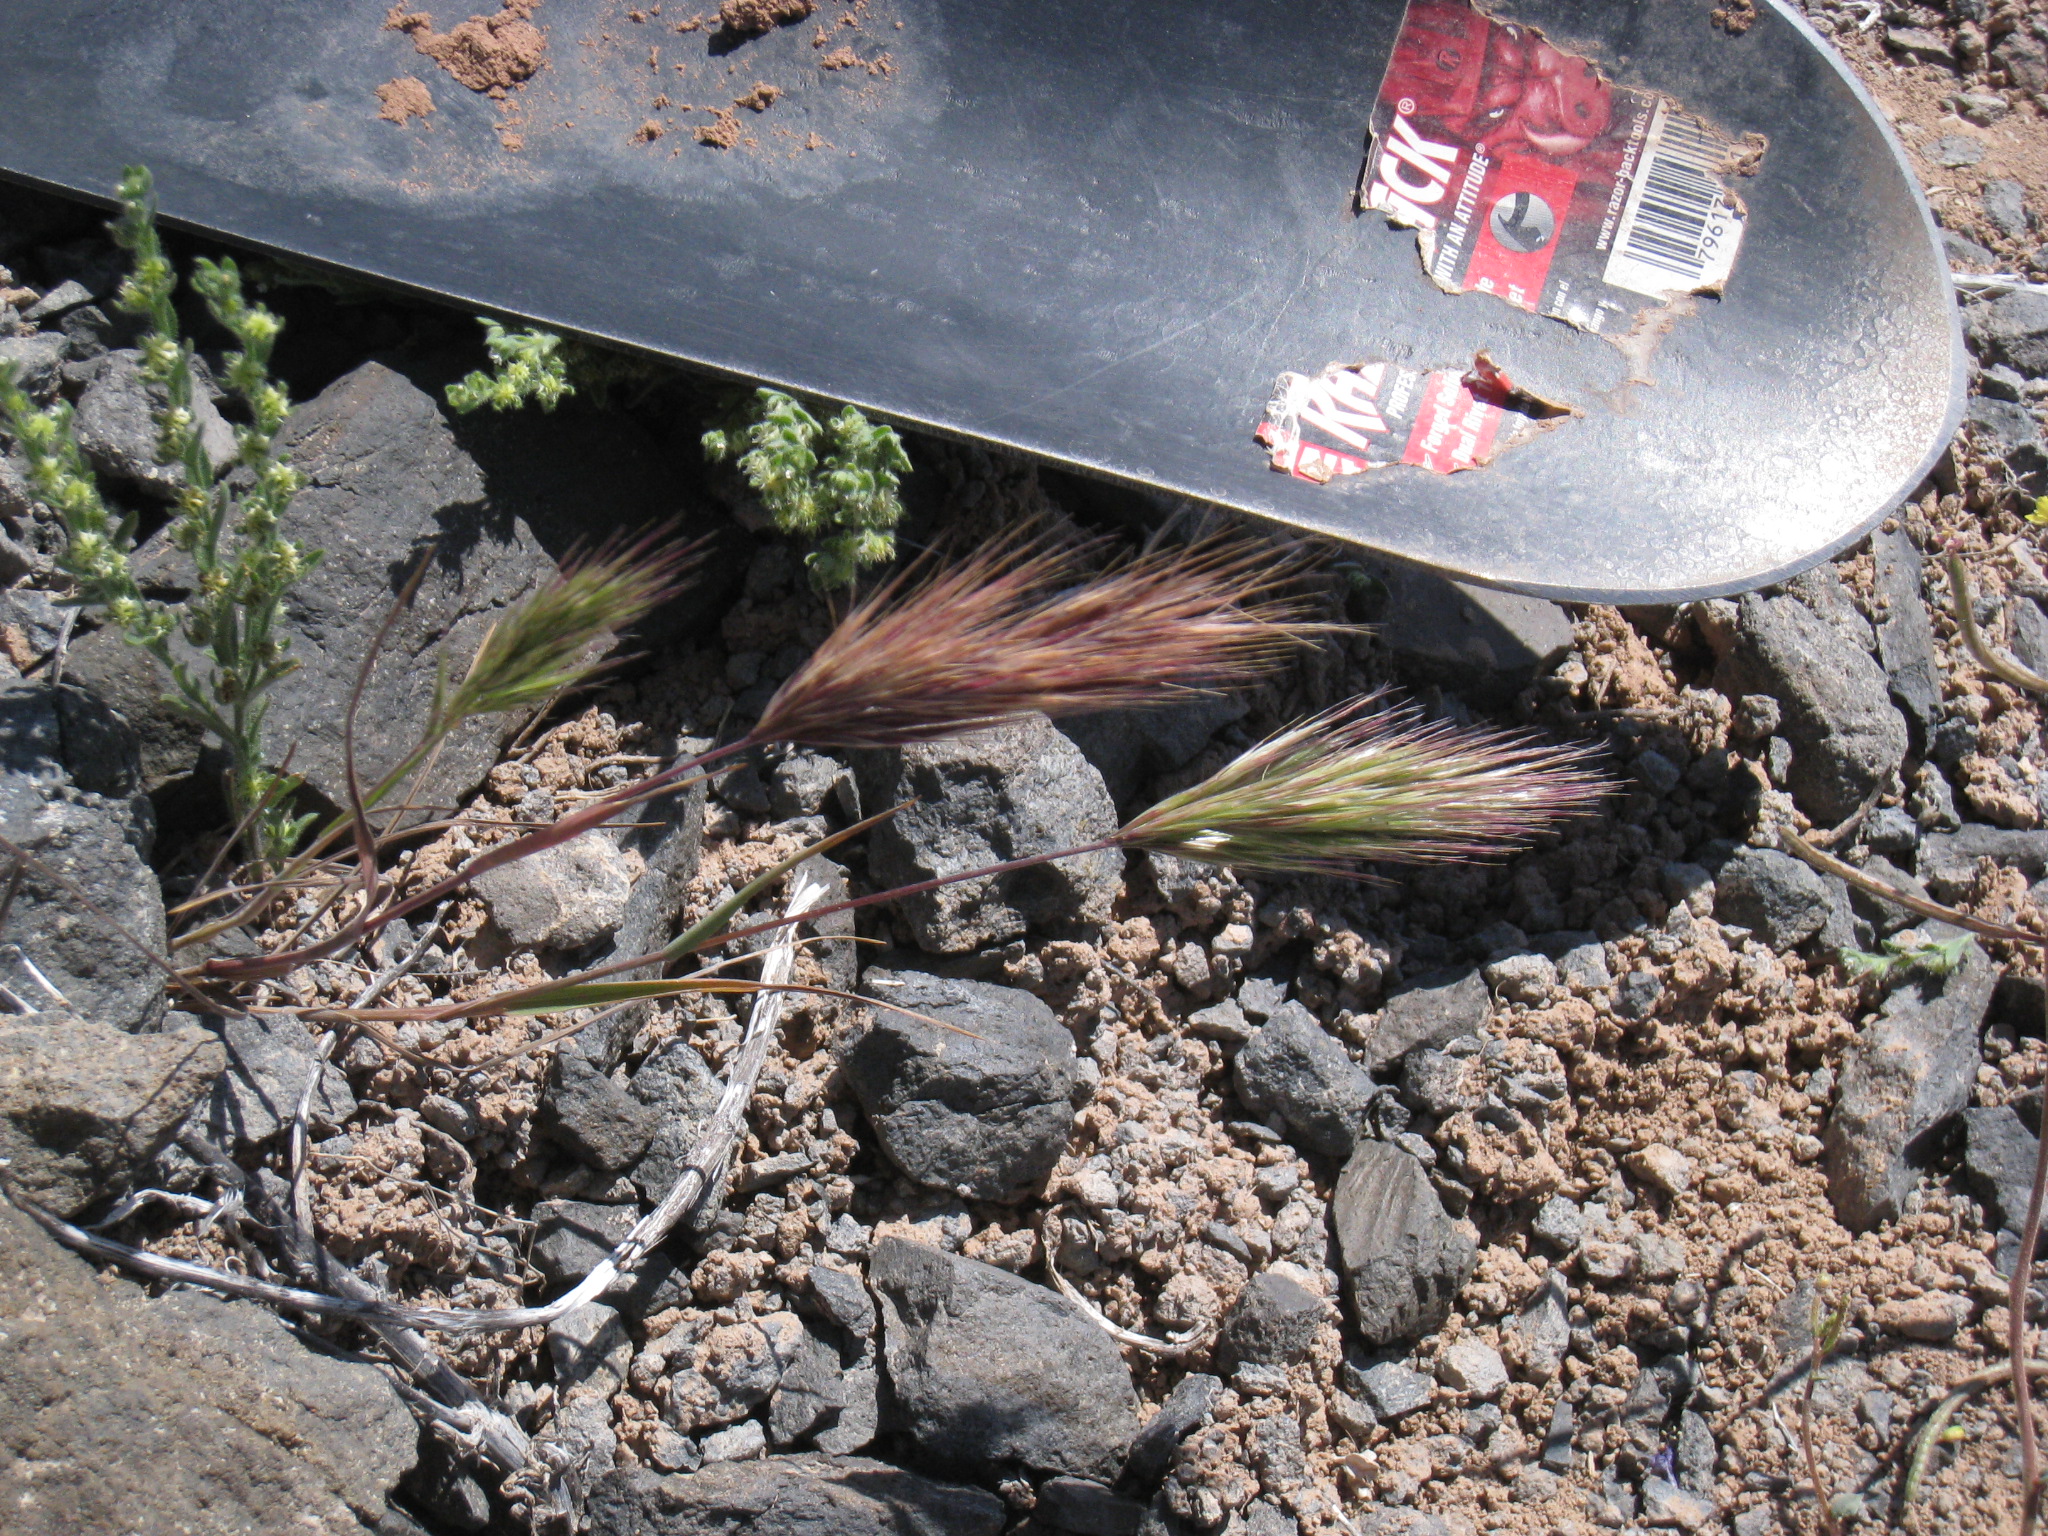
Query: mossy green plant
{"points": [[834, 481], [527, 368], [220, 646]]}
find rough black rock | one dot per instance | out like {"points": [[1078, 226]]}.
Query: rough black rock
{"points": [[1905, 636], [1429, 1011], [385, 483], [1292, 1067], [270, 1057], [1907, 1074], [1183, 1412], [1948, 860], [1131, 747], [789, 1496], [2012, 329], [1402, 1256], [602, 1124], [1998, 1159], [1273, 1322], [989, 1371], [683, 1092], [141, 1415], [982, 1109], [1487, 645], [982, 799], [82, 1105], [117, 431], [1782, 900], [1837, 713], [1086, 1508], [71, 794]]}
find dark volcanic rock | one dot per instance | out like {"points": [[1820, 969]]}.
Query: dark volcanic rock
{"points": [[1948, 860], [71, 795], [270, 1056], [183, 1413], [1403, 1258], [1782, 900], [1292, 1067], [1273, 1322], [982, 1109], [990, 1371], [1429, 1011], [1998, 1158], [1905, 636], [1131, 747], [605, 1126], [1838, 716], [82, 1104], [1913, 1068], [789, 1496], [118, 434], [1186, 1406], [983, 799], [2012, 329], [385, 481]]}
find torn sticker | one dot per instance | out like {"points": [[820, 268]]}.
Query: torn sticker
{"points": [[1353, 417], [1528, 175]]}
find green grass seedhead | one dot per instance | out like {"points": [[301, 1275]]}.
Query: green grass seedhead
{"points": [[1020, 628], [1351, 786]]}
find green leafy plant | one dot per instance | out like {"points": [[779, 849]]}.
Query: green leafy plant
{"points": [[834, 481], [527, 367], [220, 646], [1904, 952]]}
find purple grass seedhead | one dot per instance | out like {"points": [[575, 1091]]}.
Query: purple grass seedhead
{"points": [[1020, 628], [1350, 787]]}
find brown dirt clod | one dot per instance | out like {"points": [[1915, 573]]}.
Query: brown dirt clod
{"points": [[723, 131], [760, 98], [484, 52], [751, 18], [402, 100]]}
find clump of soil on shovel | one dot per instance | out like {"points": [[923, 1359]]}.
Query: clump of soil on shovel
{"points": [[485, 53]]}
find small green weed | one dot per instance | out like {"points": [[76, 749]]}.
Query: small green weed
{"points": [[232, 654], [527, 367], [1904, 952], [834, 481]]}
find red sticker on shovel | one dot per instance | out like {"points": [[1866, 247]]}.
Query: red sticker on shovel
{"points": [[1528, 175]]}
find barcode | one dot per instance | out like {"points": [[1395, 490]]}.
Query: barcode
{"points": [[1679, 230]]}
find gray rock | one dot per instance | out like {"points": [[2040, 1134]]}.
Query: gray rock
{"points": [[1920, 44], [1403, 1258], [1962, 251], [1471, 1367], [2005, 205], [562, 897], [1955, 149], [1905, 635], [1184, 1411], [1637, 995], [2012, 329], [1383, 1521], [601, 1124], [1560, 1222], [143, 1415], [1225, 1021], [810, 1394], [1432, 1009], [1394, 1390], [1293, 1068], [35, 360], [1087, 1508], [1907, 1074], [982, 1109], [982, 799], [1522, 978], [2009, 430], [1583, 967], [117, 431], [789, 1496], [1544, 1329], [1999, 1153], [270, 1057], [988, 1370], [1948, 860], [71, 795], [1844, 732], [843, 1298], [1666, 1503], [67, 295], [82, 1104], [1447, 1081], [1486, 645], [1822, 589], [384, 477], [860, 1416], [572, 1236], [1274, 1321], [1779, 898], [675, 1083], [2024, 58], [1260, 997], [1132, 747]]}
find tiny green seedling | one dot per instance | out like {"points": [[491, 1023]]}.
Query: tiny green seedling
{"points": [[1905, 952], [527, 367]]}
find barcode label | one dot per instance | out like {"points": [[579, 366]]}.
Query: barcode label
{"points": [[1680, 229]]}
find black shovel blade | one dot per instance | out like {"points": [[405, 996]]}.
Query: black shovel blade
{"points": [[1103, 234]]}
